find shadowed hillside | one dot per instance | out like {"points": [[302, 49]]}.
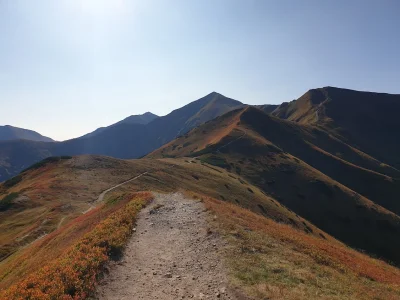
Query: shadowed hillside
{"points": [[8, 133], [134, 119], [349, 196], [367, 121]]}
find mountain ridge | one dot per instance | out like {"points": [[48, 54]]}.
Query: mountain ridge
{"points": [[143, 119], [8, 132], [122, 140], [288, 162], [354, 116]]}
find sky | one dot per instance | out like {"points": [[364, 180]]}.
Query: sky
{"points": [[68, 67]]}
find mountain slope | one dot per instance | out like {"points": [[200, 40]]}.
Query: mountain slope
{"points": [[292, 164], [8, 132], [270, 251], [62, 189], [123, 140], [134, 119], [268, 108], [367, 121]]}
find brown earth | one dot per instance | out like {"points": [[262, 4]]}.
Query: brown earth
{"points": [[172, 255]]}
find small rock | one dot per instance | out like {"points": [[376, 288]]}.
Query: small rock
{"points": [[155, 273], [168, 275]]}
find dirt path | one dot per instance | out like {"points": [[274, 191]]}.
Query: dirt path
{"points": [[171, 255], [60, 223], [101, 197]]}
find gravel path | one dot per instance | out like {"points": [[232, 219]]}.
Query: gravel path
{"points": [[172, 255]]}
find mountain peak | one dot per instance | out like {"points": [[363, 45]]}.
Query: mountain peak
{"points": [[148, 113], [8, 132]]}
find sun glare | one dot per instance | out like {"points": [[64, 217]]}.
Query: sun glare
{"points": [[101, 7]]}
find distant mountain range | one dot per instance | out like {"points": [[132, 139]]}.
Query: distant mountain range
{"points": [[8, 133], [130, 138], [364, 122], [309, 187], [134, 119]]}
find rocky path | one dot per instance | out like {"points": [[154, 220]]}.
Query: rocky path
{"points": [[172, 255]]}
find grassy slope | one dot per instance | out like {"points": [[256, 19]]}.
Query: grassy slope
{"points": [[67, 263], [54, 194], [275, 261], [298, 259], [366, 120], [287, 162], [98, 174]]}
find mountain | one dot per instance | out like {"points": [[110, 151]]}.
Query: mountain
{"points": [[76, 237], [123, 140], [365, 120], [134, 119], [351, 196], [8, 133], [292, 201], [268, 108], [139, 119]]}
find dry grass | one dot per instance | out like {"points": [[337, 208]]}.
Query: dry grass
{"points": [[55, 194], [75, 273], [275, 261], [294, 265], [346, 197]]}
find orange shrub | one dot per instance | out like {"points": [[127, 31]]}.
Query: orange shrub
{"points": [[75, 275]]}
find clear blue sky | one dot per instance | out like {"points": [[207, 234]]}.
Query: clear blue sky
{"points": [[70, 66]]}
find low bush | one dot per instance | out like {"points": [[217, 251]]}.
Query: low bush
{"points": [[7, 201], [74, 276], [13, 181]]}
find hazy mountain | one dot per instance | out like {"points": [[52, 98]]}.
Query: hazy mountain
{"points": [[123, 140], [134, 119], [8, 133]]}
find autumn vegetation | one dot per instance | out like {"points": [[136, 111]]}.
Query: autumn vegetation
{"points": [[75, 273], [276, 261]]}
